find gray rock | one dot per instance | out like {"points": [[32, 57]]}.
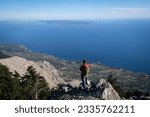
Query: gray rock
{"points": [[99, 91], [107, 92]]}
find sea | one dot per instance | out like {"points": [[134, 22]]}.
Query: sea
{"points": [[116, 43]]}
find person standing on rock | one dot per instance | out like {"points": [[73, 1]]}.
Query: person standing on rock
{"points": [[84, 68]]}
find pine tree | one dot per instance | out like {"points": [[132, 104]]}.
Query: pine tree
{"points": [[9, 84], [16, 87], [34, 85], [5, 82]]}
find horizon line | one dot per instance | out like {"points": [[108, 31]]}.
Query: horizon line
{"points": [[74, 19]]}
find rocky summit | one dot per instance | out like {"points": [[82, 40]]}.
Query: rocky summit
{"points": [[63, 77], [101, 90]]}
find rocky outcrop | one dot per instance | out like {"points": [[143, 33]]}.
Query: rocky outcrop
{"points": [[102, 90], [107, 92]]}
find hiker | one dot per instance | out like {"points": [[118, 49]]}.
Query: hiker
{"points": [[84, 74]]}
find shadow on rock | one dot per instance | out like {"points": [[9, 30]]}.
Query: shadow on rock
{"points": [[96, 91]]}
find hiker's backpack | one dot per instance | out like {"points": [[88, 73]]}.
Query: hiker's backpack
{"points": [[84, 69]]}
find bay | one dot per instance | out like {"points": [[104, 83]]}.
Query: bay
{"points": [[117, 43]]}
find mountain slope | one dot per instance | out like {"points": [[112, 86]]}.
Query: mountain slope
{"points": [[44, 68]]}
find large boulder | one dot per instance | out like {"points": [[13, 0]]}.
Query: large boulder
{"points": [[107, 92]]}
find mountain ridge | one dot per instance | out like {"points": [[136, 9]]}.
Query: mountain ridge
{"points": [[44, 68], [59, 89], [127, 81]]}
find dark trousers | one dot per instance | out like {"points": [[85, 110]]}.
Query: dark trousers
{"points": [[84, 81]]}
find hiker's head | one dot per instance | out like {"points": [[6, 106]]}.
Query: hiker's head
{"points": [[84, 61]]}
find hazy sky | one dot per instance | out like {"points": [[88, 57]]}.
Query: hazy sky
{"points": [[73, 9]]}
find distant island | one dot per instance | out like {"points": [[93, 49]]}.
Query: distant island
{"points": [[66, 22]]}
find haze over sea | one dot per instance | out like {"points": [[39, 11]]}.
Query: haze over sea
{"points": [[117, 43]]}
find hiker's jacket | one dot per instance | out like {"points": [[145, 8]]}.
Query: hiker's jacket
{"points": [[84, 69]]}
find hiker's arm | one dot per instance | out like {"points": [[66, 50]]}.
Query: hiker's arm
{"points": [[80, 68]]}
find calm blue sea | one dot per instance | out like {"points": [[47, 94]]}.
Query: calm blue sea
{"points": [[116, 43]]}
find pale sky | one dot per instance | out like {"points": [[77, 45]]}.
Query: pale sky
{"points": [[74, 9]]}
